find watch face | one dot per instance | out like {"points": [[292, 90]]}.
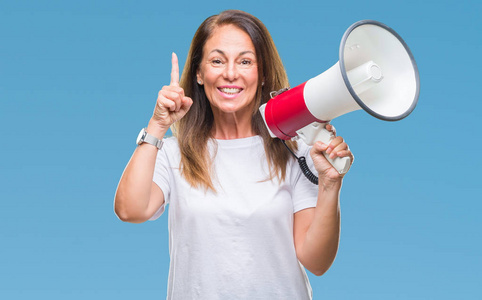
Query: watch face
{"points": [[140, 137]]}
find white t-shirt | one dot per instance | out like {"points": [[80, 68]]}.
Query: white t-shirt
{"points": [[236, 243]]}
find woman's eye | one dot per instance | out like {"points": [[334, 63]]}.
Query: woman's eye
{"points": [[216, 62], [246, 63]]}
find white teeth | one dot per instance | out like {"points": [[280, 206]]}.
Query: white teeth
{"points": [[230, 90]]}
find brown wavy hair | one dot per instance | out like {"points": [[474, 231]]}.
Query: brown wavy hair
{"points": [[195, 129]]}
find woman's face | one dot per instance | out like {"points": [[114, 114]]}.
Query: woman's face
{"points": [[229, 70]]}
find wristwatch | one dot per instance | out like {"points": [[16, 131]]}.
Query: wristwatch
{"points": [[145, 137]]}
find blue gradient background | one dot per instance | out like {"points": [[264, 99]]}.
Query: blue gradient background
{"points": [[78, 79]]}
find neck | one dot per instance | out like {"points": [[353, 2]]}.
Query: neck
{"points": [[232, 126]]}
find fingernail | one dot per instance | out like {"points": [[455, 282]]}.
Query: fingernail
{"points": [[329, 150]]}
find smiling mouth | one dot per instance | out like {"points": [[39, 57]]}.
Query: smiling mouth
{"points": [[230, 91]]}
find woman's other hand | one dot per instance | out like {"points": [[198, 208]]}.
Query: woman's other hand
{"points": [[172, 104]]}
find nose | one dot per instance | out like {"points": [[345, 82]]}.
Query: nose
{"points": [[231, 71]]}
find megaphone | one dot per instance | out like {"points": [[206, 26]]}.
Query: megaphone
{"points": [[376, 72]]}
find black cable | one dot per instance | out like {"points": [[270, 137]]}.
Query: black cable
{"points": [[284, 143], [303, 165]]}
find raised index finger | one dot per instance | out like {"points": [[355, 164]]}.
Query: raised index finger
{"points": [[175, 70]]}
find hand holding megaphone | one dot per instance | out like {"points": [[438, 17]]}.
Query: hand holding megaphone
{"points": [[325, 134], [376, 72], [334, 154]]}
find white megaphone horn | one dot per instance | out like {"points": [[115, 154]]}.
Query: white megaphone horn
{"points": [[376, 72]]}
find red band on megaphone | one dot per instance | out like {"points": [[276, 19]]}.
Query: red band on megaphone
{"points": [[287, 112]]}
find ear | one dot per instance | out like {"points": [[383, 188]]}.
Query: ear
{"points": [[199, 77]]}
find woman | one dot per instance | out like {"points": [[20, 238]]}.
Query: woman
{"points": [[241, 216]]}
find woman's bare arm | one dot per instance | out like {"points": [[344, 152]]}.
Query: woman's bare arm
{"points": [[137, 197]]}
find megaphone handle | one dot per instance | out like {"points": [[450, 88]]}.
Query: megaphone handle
{"points": [[341, 164], [317, 132]]}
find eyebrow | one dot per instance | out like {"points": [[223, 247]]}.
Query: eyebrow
{"points": [[241, 53]]}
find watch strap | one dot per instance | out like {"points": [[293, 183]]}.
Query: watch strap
{"points": [[150, 139], [145, 137]]}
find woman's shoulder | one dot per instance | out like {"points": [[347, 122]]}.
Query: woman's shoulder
{"points": [[170, 140], [303, 148], [170, 144], [169, 152]]}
